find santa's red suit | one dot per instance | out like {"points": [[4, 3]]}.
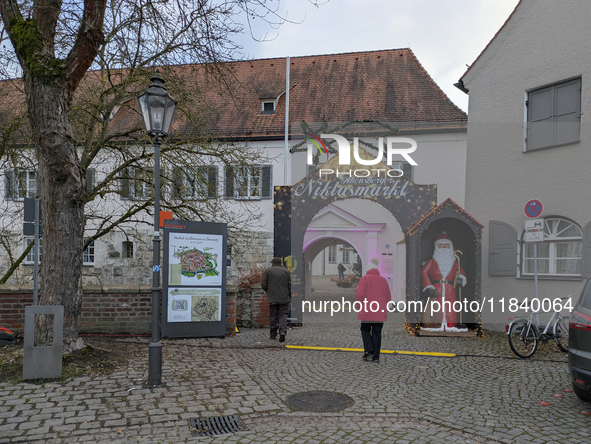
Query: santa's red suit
{"points": [[431, 278]]}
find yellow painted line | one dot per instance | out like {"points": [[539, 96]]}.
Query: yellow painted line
{"points": [[398, 352]]}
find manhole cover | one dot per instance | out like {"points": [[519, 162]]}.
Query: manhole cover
{"points": [[319, 401], [217, 425]]}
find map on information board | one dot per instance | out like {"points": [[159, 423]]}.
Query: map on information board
{"points": [[195, 259], [194, 304]]}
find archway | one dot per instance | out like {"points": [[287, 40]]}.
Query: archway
{"points": [[404, 200]]}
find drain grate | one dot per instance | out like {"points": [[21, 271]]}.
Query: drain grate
{"points": [[319, 401], [217, 425]]}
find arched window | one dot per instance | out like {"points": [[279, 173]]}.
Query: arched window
{"points": [[561, 252]]}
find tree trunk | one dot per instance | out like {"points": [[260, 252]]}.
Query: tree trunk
{"points": [[61, 182]]}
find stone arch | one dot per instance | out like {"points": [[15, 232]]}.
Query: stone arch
{"points": [[406, 201]]}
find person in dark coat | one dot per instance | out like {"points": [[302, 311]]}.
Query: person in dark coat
{"points": [[373, 292], [341, 269], [277, 283]]}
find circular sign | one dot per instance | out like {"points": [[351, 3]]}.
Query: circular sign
{"points": [[533, 208]]}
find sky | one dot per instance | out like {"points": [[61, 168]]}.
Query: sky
{"points": [[445, 35]]}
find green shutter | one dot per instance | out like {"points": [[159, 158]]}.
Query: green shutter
{"points": [[90, 178], [586, 260], [229, 191], [567, 112], [212, 184], [502, 245], [267, 182], [10, 185], [125, 192], [540, 110], [177, 183]]}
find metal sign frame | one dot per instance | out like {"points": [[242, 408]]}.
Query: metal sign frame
{"points": [[193, 291]]}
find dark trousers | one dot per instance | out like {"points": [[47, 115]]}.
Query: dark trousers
{"points": [[278, 318], [371, 332]]}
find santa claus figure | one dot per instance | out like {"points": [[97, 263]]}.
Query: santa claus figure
{"points": [[438, 275]]}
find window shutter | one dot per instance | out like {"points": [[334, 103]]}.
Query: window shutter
{"points": [[229, 192], [212, 181], [10, 185], [90, 177], [125, 191], [540, 119], [267, 182], [502, 245], [586, 261], [407, 171], [177, 183], [568, 112]]}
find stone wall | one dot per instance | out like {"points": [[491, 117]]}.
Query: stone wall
{"points": [[122, 310], [112, 269], [252, 308]]}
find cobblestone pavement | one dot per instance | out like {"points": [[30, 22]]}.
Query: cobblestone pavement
{"points": [[482, 395]]}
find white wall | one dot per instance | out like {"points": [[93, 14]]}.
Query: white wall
{"points": [[545, 42]]}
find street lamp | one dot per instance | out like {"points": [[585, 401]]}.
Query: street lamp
{"points": [[157, 108]]}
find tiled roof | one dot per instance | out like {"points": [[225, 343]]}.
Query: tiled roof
{"points": [[384, 86]]}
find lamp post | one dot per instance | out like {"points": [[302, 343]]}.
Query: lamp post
{"points": [[157, 108]]}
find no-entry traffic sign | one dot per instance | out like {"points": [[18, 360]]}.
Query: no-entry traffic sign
{"points": [[533, 208]]}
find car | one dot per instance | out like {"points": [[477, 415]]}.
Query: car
{"points": [[579, 345]]}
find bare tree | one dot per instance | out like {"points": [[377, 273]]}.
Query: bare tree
{"points": [[53, 44]]}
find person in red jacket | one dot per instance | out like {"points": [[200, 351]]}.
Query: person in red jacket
{"points": [[373, 292], [437, 278]]}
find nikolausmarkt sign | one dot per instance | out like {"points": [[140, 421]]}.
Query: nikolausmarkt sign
{"points": [[359, 182]]}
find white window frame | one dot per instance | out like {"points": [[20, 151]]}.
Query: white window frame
{"points": [[139, 176], [124, 250], [266, 111], [88, 254], [553, 87], [24, 184], [332, 254], [30, 258], [192, 187], [252, 173], [346, 257], [553, 237]]}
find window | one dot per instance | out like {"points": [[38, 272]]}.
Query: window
{"points": [[229, 256], [196, 183], [136, 183], [20, 184], [88, 254], [332, 254], [405, 167], [346, 257], [268, 107], [30, 259], [249, 182], [127, 250], [561, 252], [554, 115]]}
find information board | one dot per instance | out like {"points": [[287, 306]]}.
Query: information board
{"points": [[194, 278]]}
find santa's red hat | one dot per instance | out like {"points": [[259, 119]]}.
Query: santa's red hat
{"points": [[443, 238]]}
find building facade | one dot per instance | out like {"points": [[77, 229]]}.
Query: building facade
{"points": [[529, 139], [388, 90]]}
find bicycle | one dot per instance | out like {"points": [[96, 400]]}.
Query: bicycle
{"points": [[524, 333]]}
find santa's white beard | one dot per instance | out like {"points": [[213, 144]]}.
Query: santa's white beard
{"points": [[445, 259]]}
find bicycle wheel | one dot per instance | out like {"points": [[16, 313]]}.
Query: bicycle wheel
{"points": [[561, 334], [523, 338]]}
